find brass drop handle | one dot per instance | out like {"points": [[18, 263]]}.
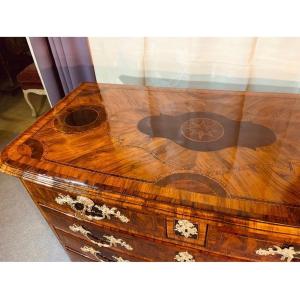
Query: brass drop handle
{"points": [[96, 254], [119, 259], [110, 240], [85, 208], [287, 253]]}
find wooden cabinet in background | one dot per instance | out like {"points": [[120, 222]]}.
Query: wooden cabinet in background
{"points": [[125, 173]]}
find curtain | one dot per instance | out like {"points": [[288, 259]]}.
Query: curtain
{"points": [[260, 64], [63, 63]]}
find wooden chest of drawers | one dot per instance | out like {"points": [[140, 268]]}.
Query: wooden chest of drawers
{"points": [[124, 173]]}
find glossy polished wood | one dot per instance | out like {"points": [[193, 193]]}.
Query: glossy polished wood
{"points": [[229, 162]]}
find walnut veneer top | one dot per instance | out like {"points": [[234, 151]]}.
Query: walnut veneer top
{"points": [[234, 153]]}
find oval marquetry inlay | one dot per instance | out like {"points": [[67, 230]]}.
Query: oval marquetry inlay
{"points": [[206, 131]]}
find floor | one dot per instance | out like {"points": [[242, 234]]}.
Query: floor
{"points": [[24, 234]]}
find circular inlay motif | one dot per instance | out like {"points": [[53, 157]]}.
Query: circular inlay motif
{"points": [[196, 183], [81, 117], [202, 130], [32, 148]]}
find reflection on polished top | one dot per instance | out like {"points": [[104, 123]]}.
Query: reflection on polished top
{"points": [[236, 153]]}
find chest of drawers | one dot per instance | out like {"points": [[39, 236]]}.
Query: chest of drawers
{"points": [[125, 173]]}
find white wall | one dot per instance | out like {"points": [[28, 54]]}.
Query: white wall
{"points": [[233, 63]]}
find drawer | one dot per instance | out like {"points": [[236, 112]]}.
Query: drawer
{"points": [[102, 211], [250, 248], [118, 243], [177, 228], [78, 257], [91, 251]]}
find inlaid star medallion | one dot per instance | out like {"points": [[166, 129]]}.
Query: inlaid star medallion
{"points": [[202, 130]]}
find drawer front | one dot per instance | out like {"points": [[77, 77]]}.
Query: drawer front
{"points": [[91, 251], [251, 248], [110, 242], [100, 211], [109, 213]]}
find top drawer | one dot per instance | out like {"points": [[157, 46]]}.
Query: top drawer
{"points": [[121, 215], [102, 211]]}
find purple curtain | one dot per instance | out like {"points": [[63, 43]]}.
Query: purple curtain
{"points": [[64, 63]]}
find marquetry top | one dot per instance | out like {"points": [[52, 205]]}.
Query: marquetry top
{"points": [[237, 153]]}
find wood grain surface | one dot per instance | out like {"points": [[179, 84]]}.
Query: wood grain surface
{"points": [[255, 173]]}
